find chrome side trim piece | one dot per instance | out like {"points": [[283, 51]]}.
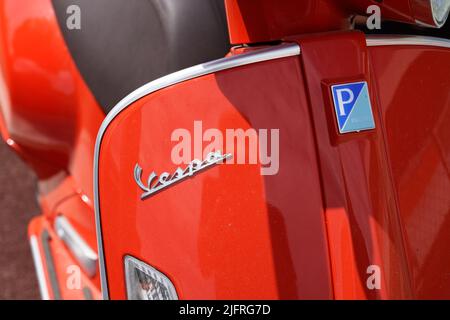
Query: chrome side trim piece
{"points": [[50, 264], [37, 259], [401, 40], [280, 51], [76, 244]]}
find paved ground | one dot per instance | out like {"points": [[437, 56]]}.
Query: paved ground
{"points": [[17, 206]]}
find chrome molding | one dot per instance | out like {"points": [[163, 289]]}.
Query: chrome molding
{"points": [[277, 52], [401, 40], [50, 265], [76, 244], [37, 259]]}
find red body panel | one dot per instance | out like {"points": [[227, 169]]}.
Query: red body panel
{"points": [[415, 106], [338, 204], [272, 20], [359, 196], [228, 232], [48, 115]]}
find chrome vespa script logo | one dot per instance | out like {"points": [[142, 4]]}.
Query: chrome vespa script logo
{"points": [[156, 183]]}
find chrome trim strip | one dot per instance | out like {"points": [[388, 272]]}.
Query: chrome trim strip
{"points": [[37, 259], [76, 244], [280, 51], [426, 25], [401, 40], [50, 264]]}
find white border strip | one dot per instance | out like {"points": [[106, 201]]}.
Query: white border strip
{"points": [[277, 52], [37, 259]]}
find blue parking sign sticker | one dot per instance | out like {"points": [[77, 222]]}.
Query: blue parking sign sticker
{"points": [[352, 107]]}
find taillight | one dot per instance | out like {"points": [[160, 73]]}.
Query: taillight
{"points": [[146, 283]]}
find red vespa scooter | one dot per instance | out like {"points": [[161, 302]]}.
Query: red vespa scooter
{"points": [[308, 161]]}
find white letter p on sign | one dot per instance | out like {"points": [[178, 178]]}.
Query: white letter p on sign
{"points": [[341, 101]]}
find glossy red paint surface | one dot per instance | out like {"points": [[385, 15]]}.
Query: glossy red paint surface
{"points": [[415, 106], [227, 232], [355, 172], [382, 199], [386, 193], [48, 115], [272, 20], [407, 11]]}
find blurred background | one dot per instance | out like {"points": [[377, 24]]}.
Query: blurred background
{"points": [[17, 205]]}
